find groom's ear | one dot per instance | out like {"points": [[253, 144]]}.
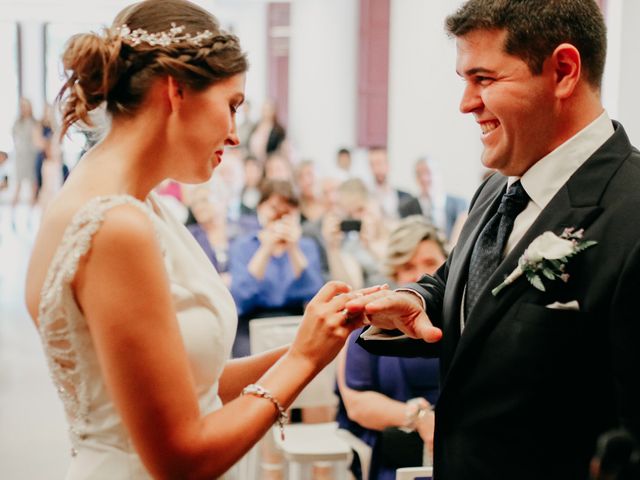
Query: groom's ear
{"points": [[566, 64]]}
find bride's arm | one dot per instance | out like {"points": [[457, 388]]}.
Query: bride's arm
{"points": [[124, 292], [240, 372]]}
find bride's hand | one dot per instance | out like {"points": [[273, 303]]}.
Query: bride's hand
{"points": [[326, 324]]}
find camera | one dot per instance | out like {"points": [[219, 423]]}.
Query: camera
{"points": [[350, 225]]}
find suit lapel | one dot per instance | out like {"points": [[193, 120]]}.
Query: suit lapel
{"points": [[575, 205]]}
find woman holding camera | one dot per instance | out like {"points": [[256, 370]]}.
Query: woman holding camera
{"points": [[354, 236], [275, 271]]}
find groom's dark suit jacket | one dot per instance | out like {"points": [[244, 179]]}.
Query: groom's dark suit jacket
{"points": [[527, 389]]}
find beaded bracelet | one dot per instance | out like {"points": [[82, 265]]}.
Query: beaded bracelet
{"points": [[260, 391]]}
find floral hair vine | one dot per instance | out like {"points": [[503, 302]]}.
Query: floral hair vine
{"points": [[172, 36]]}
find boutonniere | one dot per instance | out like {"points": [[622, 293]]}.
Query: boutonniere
{"points": [[547, 256]]}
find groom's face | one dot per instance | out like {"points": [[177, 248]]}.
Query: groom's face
{"points": [[513, 107]]}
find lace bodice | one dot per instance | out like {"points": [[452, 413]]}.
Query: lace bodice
{"points": [[206, 316]]}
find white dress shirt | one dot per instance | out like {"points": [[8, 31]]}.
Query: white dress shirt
{"points": [[546, 177]]}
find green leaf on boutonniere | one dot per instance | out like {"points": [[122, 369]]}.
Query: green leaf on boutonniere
{"points": [[557, 264], [548, 273], [584, 245], [535, 280]]}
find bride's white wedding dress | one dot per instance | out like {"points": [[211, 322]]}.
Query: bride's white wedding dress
{"points": [[102, 447]]}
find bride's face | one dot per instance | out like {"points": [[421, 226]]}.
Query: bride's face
{"points": [[206, 123]]}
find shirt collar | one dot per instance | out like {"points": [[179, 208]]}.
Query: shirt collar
{"points": [[545, 178]]}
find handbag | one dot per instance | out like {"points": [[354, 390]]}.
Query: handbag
{"points": [[398, 448]]}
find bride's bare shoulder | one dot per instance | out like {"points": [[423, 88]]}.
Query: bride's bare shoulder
{"points": [[55, 221]]}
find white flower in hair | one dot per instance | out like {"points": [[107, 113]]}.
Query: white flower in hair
{"points": [[172, 36]]}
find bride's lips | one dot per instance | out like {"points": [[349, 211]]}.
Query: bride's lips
{"points": [[218, 154]]}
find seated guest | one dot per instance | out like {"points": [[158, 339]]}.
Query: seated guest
{"points": [[277, 167], [387, 401], [210, 229], [250, 194], [311, 207], [274, 271]]}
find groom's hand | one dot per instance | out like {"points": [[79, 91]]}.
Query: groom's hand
{"points": [[391, 310]]}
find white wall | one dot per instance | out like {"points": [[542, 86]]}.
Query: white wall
{"points": [[424, 93], [248, 19], [322, 78], [622, 72], [424, 90]]}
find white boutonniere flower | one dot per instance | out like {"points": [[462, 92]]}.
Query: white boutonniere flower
{"points": [[547, 255]]}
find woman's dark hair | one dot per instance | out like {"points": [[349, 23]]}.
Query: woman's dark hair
{"points": [[112, 69], [282, 188]]}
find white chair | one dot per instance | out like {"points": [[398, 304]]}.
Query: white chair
{"points": [[363, 450], [414, 473], [304, 444]]}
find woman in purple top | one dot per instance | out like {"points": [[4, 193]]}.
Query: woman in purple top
{"points": [[275, 271], [210, 228], [387, 401]]}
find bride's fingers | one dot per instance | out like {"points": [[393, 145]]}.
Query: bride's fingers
{"points": [[331, 290], [370, 290], [343, 323]]}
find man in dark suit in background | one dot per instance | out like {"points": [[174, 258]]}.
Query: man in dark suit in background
{"points": [[441, 209], [388, 197], [533, 374]]}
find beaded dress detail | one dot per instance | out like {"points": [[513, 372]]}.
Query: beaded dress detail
{"points": [[102, 448]]}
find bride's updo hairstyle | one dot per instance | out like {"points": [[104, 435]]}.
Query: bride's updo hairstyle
{"points": [[150, 39]]}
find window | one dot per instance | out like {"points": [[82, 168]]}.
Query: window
{"points": [[9, 84]]}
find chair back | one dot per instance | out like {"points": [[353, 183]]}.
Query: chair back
{"points": [[268, 333], [414, 473]]}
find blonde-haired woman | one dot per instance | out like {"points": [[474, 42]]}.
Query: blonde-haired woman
{"points": [[136, 324]]}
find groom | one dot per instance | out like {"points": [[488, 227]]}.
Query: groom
{"points": [[531, 376]]}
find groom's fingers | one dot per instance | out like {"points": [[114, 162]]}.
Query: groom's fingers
{"points": [[397, 308], [393, 303], [425, 330]]}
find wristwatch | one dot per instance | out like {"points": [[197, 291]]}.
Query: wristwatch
{"points": [[415, 409]]}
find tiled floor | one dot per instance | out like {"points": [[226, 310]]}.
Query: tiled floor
{"points": [[33, 438]]}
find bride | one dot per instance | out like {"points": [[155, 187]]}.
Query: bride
{"points": [[136, 324]]}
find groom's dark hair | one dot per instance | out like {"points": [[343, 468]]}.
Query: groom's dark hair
{"points": [[536, 27]]}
